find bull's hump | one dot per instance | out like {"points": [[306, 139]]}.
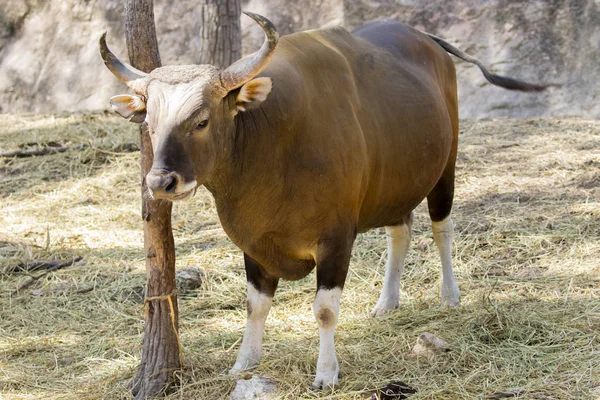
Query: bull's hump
{"points": [[327, 36]]}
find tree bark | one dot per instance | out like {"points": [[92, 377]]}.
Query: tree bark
{"points": [[161, 348], [221, 46], [220, 32]]}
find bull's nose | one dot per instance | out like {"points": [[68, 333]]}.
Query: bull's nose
{"points": [[169, 185], [162, 184]]}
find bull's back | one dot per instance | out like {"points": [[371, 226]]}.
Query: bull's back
{"points": [[374, 135]]}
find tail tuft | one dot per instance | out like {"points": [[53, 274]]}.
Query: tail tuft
{"points": [[498, 80]]}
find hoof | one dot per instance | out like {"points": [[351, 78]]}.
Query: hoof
{"points": [[384, 306], [239, 368], [325, 384], [451, 296], [380, 312], [327, 380], [451, 303]]}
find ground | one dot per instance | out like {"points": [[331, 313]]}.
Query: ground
{"points": [[527, 247]]}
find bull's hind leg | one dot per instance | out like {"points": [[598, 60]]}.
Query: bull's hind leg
{"points": [[398, 243], [439, 202], [261, 288]]}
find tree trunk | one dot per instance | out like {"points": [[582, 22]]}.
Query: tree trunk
{"points": [[220, 32], [221, 46], [161, 349]]}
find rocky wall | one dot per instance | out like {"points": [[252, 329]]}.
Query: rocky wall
{"points": [[49, 60]]}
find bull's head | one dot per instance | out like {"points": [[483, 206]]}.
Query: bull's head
{"points": [[189, 109]]}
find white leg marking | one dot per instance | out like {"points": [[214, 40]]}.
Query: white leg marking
{"points": [[327, 308], [258, 306], [443, 232], [398, 243]]}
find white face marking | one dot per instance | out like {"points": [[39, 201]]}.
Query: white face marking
{"points": [[170, 105], [327, 308], [258, 305], [398, 243], [443, 232]]}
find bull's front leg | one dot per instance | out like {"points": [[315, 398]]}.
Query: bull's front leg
{"points": [[333, 258], [261, 289]]}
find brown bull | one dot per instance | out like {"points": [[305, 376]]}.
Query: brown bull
{"points": [[304, 144]]}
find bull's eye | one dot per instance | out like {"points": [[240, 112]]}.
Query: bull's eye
{"points": [[202, 124]]}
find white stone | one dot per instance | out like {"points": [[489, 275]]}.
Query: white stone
{"points": [[255, 388], [429, 345]]}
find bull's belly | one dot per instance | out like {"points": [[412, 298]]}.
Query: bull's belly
{"points": [[395, 200], [386, 216]]}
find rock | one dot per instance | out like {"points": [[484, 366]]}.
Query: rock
{"points": [[255, 388], [424, 244], [532, 41], [429, 345], [50, 59], [188, 279], [289, 17]]}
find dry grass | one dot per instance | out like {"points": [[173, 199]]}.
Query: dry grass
{"points": [[527, 260]]}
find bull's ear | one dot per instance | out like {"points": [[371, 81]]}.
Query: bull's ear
{"points": [[129, 107], [253, 93]]}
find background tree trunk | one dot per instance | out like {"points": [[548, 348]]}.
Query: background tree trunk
{"points": [[161, 352], [220, 32]]}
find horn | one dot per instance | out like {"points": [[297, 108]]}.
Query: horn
{"points": [[132, 77], [247, 68]]}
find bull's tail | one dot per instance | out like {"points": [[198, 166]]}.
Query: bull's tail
{"points": [[502, 81]]}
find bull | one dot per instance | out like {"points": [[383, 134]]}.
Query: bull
{"points": [[312, 139]]}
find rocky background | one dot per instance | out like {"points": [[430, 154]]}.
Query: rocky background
{"points": [[49, 59]]}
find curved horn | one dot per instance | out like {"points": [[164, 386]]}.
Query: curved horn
{"points": [[132, 77], [247, 68]]}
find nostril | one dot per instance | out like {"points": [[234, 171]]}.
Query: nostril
{"points": [[171, 184]]}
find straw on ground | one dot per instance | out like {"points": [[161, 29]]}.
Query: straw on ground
{"points": [[527, 246]]}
